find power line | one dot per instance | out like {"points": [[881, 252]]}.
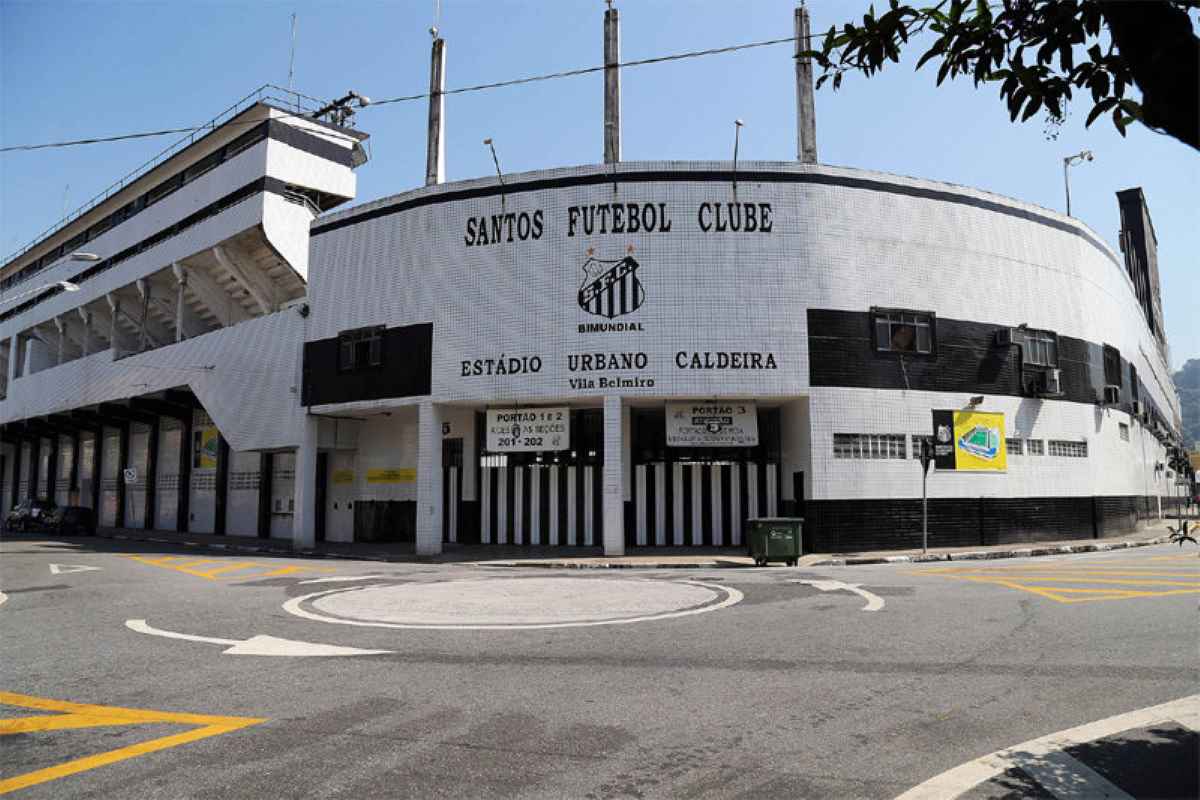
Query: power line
{"points": [[424, 95]]}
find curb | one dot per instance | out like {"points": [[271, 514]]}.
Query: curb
{"points": [[968, 555], [987, 555]]}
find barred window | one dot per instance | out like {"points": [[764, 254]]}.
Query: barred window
{"points": [[869, 445], [916, 445], [1035, 447], [1112, 366], [1065, 449], [1041, 348], [1015, 447], [360, 348], [903, 331], [1124, 431]]}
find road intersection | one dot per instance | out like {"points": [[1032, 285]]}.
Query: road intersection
{"points": [[474, 681]]}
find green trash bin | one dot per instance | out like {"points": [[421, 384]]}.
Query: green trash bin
{"points": [[775, 539]]}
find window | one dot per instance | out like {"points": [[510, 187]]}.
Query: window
{"points": [[1133, 382], [360, 348], [1040, 348], [163, 189], [1035, 447], [916, 445], [1014, 447], [1112, 366], [1064, 449], [903, 331], [869, 445], [1124, 431]]}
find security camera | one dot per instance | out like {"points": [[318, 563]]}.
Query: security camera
{"points": [[302, 309], [1089, 156], [738, 122], [977, 400]]}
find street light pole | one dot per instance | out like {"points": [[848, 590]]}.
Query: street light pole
{"points": [[1068, 162]]}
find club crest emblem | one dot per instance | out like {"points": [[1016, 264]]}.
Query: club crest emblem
{"points": [[611, 288]]}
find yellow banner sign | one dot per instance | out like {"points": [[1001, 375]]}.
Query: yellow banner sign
{"points": [[343, 476], [402, 475], [979, 443]]}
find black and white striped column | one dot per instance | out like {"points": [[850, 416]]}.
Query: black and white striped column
{"points": [[540, 505], [690, 505]]}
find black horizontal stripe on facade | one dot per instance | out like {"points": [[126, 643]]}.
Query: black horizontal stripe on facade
{"points": [[839, 526], [271, 185], [405, 369], [717, 176], [841, 353], [267, 129]]}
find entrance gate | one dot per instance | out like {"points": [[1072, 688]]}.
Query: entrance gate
{"points": [[700, 497], [549, 498]]}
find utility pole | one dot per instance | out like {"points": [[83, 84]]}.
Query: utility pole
{"points": [[612, 86], [926, 460], [806, 113]]}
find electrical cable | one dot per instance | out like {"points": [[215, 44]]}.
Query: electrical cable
{"points": [[571, 73]]}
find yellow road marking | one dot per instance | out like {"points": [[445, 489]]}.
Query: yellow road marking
{"points": [[1071, 579], [191, 567], [83, 715]]}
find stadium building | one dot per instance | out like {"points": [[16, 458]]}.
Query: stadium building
{"points": [[616, 356]]}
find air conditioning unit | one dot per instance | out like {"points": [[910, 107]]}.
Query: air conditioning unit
{"points": [[1051, 383], [1004, 337], [1112, 395], [1135, 409]]}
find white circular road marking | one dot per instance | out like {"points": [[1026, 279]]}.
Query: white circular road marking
{"points": [[513, 603]]}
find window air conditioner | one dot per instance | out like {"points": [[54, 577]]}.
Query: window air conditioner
{"points": [[1051, 382], [1136, 408], [1112, 395]]}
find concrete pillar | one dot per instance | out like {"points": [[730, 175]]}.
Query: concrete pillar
{"points": [[613, 504], [14, 358], [304, 517], [180, 285], [86, 316], [806, 115], [435, 156], [429, 478], [61, 328], [612, 87]]}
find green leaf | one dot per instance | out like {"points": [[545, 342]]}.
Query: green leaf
{"points": [[1032, 108], [943, 71], [938, 48], [1098, 109]]}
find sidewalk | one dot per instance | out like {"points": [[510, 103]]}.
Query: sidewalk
{"points": [[647, 558]]}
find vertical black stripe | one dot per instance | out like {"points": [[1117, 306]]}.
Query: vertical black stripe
{"points": [[652, 500], [510, 485], [445, 504], [492, 477], [685, 485], [706, 503], [561, 511], [668, 503], [743, 494], [727, 505], [579, 504], [610, 294], [529, 475], [624, 295], [598, 504], [544, 505], [763, 511]]}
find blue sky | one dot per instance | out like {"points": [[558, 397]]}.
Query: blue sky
{"points": [[74, 70]]}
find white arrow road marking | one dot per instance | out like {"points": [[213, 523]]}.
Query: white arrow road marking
{"points": [[874, 602], [3, 598], [343, 579], [257, 645], [67, 569]]}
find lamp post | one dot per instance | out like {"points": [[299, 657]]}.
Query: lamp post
{"points": [[737, 135], [1068, 162], [66, 286], [499, 175]]}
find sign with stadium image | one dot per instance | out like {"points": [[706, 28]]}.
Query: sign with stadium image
{"points": [[528, 430], [712, 424], [969, 441]]}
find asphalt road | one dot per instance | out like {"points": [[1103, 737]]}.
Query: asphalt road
{"points": [[713, 683]]}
